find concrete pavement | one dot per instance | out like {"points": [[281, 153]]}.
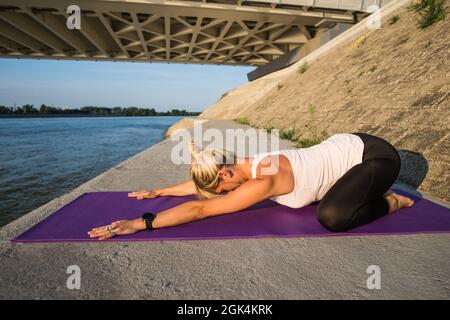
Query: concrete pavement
{"points": [[412, 266]]}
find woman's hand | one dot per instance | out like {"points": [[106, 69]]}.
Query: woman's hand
{"points": [[117, 228], [145, 194]]}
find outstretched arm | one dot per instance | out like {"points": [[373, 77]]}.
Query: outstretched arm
{"points": [[248, 194], [182, 189]]}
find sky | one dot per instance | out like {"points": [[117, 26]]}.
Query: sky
{"points": [[76, 84]]}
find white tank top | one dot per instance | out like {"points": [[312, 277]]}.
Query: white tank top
{"points": [[316, 169]]}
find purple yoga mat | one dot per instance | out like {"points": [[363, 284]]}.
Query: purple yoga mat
{"points": [[266, 219]]}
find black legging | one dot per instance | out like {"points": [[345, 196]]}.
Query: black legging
{"points": [[357, 197]]}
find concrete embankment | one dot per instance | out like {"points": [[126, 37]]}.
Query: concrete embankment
{"points": [[413, 266], [392, 82]]}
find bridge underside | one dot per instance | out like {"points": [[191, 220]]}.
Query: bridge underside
{"points": [[209, 32]]}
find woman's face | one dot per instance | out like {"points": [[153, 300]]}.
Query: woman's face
{"points": [[229, 180]]}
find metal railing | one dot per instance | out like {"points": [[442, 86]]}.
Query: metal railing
{"points": [[349, 5]]}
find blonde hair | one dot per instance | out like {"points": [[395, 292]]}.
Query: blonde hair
{"points": [[205, 167]]}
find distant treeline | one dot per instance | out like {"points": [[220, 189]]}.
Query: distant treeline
{"points": [[30, 110]]}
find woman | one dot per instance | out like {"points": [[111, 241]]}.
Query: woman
{"points": [[350, 174]]}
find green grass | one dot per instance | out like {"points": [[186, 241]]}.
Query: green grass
{"points": [[394, 19], [291, 135], [288, 134], [360, 41], [429, 11], [303, 68], [243, 120], [315, 136], [306, 143]]}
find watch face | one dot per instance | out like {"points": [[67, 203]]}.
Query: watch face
{"points": [[147, 215], [148, 218]]}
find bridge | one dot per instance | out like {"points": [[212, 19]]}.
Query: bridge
{"points": [[231, 32]]}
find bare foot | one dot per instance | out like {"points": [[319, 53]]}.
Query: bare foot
{"points": [[397, 202]]}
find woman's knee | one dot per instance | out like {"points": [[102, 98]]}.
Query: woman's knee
{"points": [[332, 218]]}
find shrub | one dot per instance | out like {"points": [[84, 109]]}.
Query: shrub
{"points": [[306, 143], [288, 134], [269, 129], [243, 120], [394, 19], [316, 136], [360, 41], [303, 68], [429, 11]]}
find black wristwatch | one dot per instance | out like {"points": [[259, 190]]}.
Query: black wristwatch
{"points": [[148, 218]]}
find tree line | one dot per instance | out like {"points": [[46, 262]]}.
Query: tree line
{"points": [[29, 109]]}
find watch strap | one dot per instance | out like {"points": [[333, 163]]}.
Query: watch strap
{"points": [[148, 219]]}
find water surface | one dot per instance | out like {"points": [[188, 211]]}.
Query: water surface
{"points": [[44, 158]]}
